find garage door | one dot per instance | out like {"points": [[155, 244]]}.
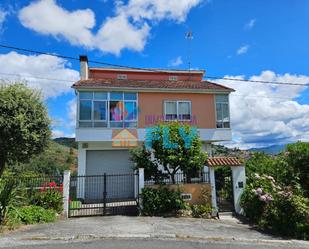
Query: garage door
{"points": [[108, 161], [119, 180]]}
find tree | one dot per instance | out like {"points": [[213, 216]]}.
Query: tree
{"points": [[24, 124], [298, 159], [174, 147]]}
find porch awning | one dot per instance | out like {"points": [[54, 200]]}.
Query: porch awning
{"points": [[223, 161]]}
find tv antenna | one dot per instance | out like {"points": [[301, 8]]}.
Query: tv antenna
{"points": [[189, 37]]}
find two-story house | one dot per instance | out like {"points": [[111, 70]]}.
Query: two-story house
{"points": [[110, 100]]}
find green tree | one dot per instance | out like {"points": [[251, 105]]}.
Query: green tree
{"points": [[24, 124], [183, 153], [297, 157]]}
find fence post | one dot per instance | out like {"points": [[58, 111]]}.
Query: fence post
{"points": [[104, 194], [213, 191], [66, 192], [141, 184]]}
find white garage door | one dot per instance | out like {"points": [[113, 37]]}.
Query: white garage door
{"points": [[119, 180], [99, 162]]}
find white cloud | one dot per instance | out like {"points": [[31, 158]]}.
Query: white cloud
{"points": [[3, 15], [250, 24], [261, 121], [117, 33], [43, 66], [46, 17], [176, 62], [129, 28], [243, 50], [71, 109]]}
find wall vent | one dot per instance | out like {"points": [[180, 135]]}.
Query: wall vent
{"points": [[85, 145], [122, 77]]}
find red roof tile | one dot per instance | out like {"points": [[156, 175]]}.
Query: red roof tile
{"points": [[151, 84], [223, 161]]}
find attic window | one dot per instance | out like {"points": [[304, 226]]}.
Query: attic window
{"points": [[122, 77], [173, 78]]}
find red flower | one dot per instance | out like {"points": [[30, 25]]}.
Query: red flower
{"points": [[52, 185]]}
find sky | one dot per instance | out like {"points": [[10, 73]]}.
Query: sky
{"points": [[257, 40]]}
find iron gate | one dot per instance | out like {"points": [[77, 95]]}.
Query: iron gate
{"points": [[108, 194]]}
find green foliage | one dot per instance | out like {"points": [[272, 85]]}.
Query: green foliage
{"points": [[29, 215], [297, 158], [7, 197], [201, 211], [49, 198], [53, 161], [188, 160], [142, 159], [24, 124], [290, 168], [67, 141], [272, 206], [161, 201]]}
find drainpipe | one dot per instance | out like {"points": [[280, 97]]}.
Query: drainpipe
{"points": [[84, 69]]}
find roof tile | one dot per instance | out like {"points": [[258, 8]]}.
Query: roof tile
{"points": [[150, 84], [223, 161]]}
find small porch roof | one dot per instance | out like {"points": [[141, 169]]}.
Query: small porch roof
{"points": [[223, 161]]}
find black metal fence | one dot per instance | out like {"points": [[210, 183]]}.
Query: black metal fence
{"points": [[35, 182], [179, 178], [103, 195]]}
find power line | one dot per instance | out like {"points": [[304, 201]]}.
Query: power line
{"points": [[147, 69], [258, 81], [36, 77]]}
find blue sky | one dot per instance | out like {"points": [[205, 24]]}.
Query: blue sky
{"points": [[264, 40]]}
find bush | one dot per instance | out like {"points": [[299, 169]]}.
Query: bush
{"points": [[29, 215], [201, 211], [49, 197], [161, 201], [274, 207]]}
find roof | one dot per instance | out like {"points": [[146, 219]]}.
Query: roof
{"points": [[147, 70], [223, 161], [151, 85]]}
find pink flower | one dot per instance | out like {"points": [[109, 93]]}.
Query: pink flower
{"points": [[269, 198], [262, 198], [259, 191]]}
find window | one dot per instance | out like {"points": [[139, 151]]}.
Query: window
{"points": [[177, 110], [173, 77], [103, 109], [122, 77], [222, 111]]}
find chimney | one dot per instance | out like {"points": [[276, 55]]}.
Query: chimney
{"points": [[84, 70]]}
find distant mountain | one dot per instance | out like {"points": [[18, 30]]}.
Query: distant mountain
{"points": [[66, 141], [272, 150]]}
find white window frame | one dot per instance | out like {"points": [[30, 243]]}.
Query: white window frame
{"points": [[221, 102], [177, 109]]}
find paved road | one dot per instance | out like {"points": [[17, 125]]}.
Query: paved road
{"points": [[158, 244], [149, 232]]}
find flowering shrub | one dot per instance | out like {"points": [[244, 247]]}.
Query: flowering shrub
{"points": [[49, 197], [272, 206]]}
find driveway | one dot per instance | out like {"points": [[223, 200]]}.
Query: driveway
{"points": [[122, 227]]}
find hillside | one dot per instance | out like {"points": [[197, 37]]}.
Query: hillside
{"points": [[271, 150], [66, 141], [53, 161]]}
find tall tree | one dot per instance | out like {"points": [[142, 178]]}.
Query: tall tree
{"points": [[24, 124]]}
